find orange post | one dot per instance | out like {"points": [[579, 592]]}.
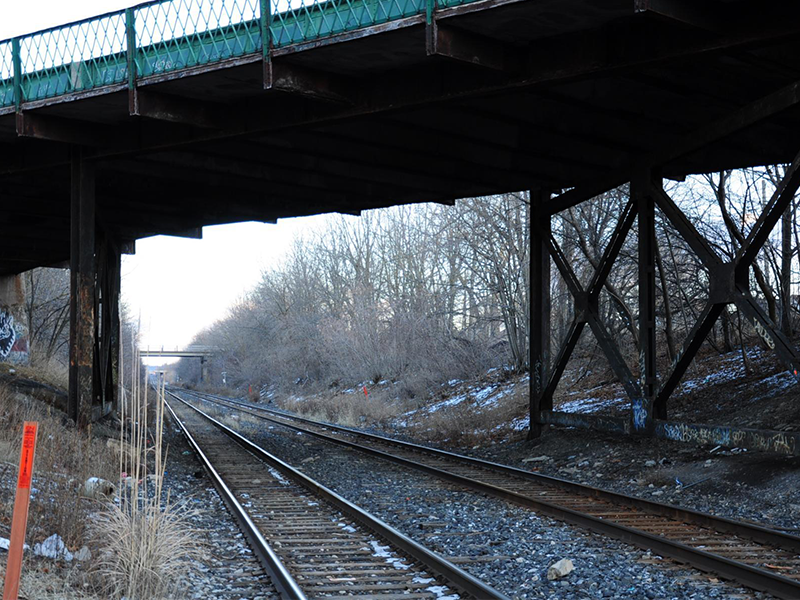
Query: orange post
{"points": [[21, 503]]}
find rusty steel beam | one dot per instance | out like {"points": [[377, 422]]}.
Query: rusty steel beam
{"points": [[697, 335], [82, 290], [73, 131], [561, 361], [176, 109], [281, 76], [463, 46], [540, 308], [767, 330]]}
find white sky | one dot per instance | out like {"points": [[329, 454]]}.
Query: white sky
{"points": [[179, 286], [176, 286]]}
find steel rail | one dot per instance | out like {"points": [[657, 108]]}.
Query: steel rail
{"points": [[747, 575], [281, 578], [432, 561]]}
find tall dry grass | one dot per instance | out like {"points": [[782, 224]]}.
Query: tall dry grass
{"points": [[350, 410], [65, 458], [147, 541]]}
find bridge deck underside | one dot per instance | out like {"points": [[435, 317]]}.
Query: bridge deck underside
{"points": [[512, 95]]}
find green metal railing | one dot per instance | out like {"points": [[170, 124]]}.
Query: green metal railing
{"points": [[170, 35]]}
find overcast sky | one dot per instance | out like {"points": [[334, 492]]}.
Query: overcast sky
{"points": [[176, 286]]}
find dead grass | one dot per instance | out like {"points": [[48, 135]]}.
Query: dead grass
{"points": [[465, 424], [42, 580], [147, 543], [349, 410], [51, 372], [65, 458]]}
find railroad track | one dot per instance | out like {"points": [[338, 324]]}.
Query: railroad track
{"points": [[312, 542], [754, 556]]}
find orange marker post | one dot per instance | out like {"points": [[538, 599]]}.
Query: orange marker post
{"points": [[21, 503]]}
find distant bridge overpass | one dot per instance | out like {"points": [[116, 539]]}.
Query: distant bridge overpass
{"points": [[201, 352], [176, 114]]}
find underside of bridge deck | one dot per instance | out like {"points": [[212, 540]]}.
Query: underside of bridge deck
{"points": [[568, 98]]}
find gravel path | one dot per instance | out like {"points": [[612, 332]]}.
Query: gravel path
{"points": [[509, 547]]}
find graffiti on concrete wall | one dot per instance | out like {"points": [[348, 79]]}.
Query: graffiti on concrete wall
{"points": [[8, 335], [752, 439]]}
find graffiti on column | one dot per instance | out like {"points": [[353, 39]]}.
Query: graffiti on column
{"points": [[7, 334]]}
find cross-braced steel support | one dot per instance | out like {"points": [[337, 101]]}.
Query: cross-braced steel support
{"points": [[729, 284]]}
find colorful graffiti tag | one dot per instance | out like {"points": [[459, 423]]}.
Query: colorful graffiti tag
{"points": [[8, 334]]}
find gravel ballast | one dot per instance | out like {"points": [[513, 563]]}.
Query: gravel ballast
{"points": [[509, 547]]}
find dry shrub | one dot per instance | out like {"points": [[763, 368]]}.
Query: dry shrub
{"points": [[146, 549], [147, 542], [65, 458], [466, 424], [350, 410], [51, 371], [40, 581]]}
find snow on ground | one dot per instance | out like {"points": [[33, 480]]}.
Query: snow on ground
{"points": [[590, 405]]}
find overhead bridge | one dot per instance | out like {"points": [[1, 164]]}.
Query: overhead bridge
{"points": [[202, 352], [176, 114]]}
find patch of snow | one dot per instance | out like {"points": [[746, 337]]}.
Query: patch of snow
{"points": [[442, 592], [454, 382], [347, 528], [484, 393], [520, 423], [589, 405], [5, 543], [278, 476], [383, 552]]}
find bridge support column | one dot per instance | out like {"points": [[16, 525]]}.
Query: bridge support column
{"points": [[107, 323], [82, 289], [540, 311], [642, 407]]}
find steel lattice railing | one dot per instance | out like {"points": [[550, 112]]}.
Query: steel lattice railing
{"points": [[118, 48]]}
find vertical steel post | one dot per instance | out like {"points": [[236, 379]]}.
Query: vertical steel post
{"points": [[540, 311], [642, 408], [266, 41], [17, 64], [111, 393], [130, 33], [82, 289]]}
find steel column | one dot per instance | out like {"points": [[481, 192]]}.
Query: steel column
{"points": [[82, 289], [107, 321], [540, 309], [642, 408]]}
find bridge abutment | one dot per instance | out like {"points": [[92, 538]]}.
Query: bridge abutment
{"points": [[13, 334]]}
